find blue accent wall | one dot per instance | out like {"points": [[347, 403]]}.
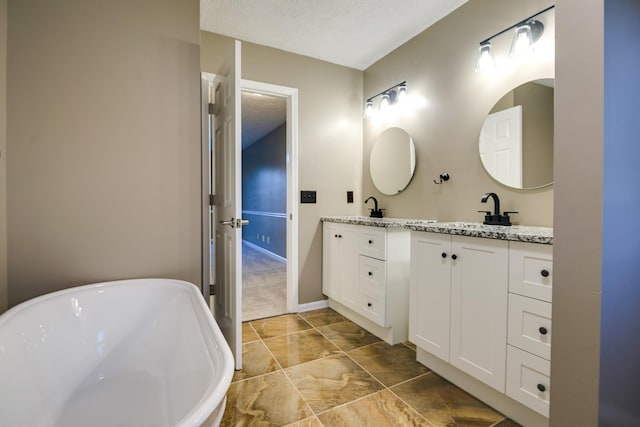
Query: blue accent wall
{"points": [[264, 192], [620, 317]]}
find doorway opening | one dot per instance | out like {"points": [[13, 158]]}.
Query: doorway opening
{"points": [[264, 205], [272, 259]]}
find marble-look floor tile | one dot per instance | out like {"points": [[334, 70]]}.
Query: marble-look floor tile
{"points": [[248, 334], [268, 400], [389, 364], [347, 335], [332, 381], [324, 316], [444, 404], [309, 422], [300, 347], [507, 423], [381, 410], [256, 360], [281, 325]]}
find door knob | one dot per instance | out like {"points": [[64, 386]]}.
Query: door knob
{"points": [[230, 222]]}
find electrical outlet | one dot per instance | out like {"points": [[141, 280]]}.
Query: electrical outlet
{"points": [[307, 196], [349, 196]]}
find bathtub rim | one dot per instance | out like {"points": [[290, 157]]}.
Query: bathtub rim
{"points": [[214, 395]]}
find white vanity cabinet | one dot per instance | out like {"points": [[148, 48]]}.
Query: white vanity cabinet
{"points": [[366, 276], [480, 315], [458, 303]]}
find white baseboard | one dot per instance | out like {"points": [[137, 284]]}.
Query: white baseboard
{"points": [[316, 305], [264, 251]]}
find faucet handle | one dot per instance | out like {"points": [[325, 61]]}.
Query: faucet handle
{"points": [[506, 213], [485, 212]]}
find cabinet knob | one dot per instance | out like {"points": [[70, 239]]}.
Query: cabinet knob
{"points": [[444, 254], [335, 235], [369, 304], [454, 257], [545, 273], [370, 274], [543, 330], [340, 236], [370, 241], [541, 387]]}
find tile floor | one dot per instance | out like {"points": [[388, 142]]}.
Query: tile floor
{"points": [[320, 369], [264, 285]]}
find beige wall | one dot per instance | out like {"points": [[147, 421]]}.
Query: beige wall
{"points": [[329, 139], [103, 141], [578, 213], [438, 66], [3, 155]]}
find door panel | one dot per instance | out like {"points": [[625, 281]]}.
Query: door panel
{"points": [[228, 208], [501, 145]]}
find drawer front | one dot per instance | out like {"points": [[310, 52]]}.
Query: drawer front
{"points": [[528, 380], [373, 242], [531, 270], [373, 276], [529, 325], [373, 306]]}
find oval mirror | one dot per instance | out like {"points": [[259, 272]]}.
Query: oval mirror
{"points": [[392, 161], [516, 140]]}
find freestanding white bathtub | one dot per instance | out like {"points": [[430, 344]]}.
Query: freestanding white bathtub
{"points": [[143, 352]]}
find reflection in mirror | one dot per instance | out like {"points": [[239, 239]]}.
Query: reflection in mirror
{"points": [[516, 140], [392, 161]]}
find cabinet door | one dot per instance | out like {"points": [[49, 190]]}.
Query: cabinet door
{"points": [[349, 266], [430, 292], [479, 283], [330, 259]]}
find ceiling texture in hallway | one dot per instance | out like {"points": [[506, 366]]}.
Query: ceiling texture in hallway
{"points": [[353, 33]]}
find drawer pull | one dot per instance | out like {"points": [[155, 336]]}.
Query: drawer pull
{"points": [[370, 274], [541, 387], [444, 254], [370, 241], [544, 273], [543, 330], [454, 257], [369, 304]]}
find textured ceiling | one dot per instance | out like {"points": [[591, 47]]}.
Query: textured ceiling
{"points": [[353, 33], [260, 115]]}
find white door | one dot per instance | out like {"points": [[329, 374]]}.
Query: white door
{"points": [[501, 145], [228, 205]]}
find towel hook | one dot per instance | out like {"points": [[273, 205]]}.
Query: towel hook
{"points": [[443, 177]]}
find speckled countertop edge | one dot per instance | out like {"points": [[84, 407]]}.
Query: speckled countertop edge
{"points": [[520, 233], [375, 222]]}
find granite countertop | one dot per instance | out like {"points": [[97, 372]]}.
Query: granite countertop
{"points": [[520, 233], [375, 222]]}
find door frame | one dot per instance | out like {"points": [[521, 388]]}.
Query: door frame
{"points": [[291, 95]]}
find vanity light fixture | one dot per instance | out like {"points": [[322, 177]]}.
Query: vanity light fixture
{"points": [[527, 32], [394, 95]]}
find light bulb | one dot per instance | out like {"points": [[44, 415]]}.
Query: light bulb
{"points": [[522, 41], [486, 61], [401, 97], [368, 110], [384, 102]]}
